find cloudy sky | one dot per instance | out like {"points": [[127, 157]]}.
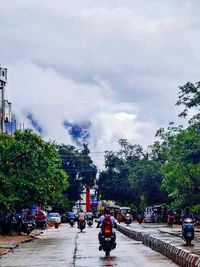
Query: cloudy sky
{"points": [[113, 63]]}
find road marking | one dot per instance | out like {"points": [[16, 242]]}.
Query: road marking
{"points": [[108, 262]]}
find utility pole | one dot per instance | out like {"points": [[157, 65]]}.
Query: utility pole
{"points": [[3, 81]]}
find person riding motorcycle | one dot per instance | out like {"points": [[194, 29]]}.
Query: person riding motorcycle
{"points": [[187, 215], [170, 217], [81, 217], [89, 215], [71, 216], [140, 215], [100, 223], [128, 217]]}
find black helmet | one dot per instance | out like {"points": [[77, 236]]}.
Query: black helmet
{"points": [[107, 211], [187, 209]]}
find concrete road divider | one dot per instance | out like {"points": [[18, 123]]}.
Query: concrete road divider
{"points": [[180, 256]]}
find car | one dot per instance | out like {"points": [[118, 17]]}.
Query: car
{"points": [[54, 217]]}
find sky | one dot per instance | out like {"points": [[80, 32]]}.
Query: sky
{"points": [[111, 64]]}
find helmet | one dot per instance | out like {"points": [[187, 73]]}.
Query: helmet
{"points": [[107, 211], [187, 209]]}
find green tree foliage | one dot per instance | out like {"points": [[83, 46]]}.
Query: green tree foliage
{"points": [[29, 171], [80, 168], [113, 183], [132, 175], [189, 97], [145, 180], [181, 149]]}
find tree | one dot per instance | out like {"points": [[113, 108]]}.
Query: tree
{"points": [[80, 168], [29, 171], [145, 180], [7, 198], [132, 175], [181, 149], [113, 183], [189, 97]]}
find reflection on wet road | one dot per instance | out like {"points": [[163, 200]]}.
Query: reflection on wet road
{"points": [[67, 247]]}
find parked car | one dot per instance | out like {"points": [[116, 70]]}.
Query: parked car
{"points": [[54, 217]]}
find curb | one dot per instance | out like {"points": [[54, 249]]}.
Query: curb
{"points": [[178, 255]]}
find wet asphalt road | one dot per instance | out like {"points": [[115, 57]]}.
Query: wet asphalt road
{"points": [[67, 247]]}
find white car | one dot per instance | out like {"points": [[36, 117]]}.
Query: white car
{"points": [[54, 217]]}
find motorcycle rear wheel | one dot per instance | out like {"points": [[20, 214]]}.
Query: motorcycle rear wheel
{"points": [[188, 242], [107, 252]]}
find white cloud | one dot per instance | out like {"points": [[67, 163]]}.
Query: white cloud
{"points": [[125, 116], [115, 64]]}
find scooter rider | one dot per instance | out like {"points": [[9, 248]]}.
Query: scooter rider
{"points": [[72, 216], [81, 217], [139, 215], [89, 215], [170, 217], [100, 223], [187, 215]]}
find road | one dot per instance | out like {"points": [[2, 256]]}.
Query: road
{"points": [[67, 247]]}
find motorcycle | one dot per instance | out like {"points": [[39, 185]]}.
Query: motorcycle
{"points": [[127, 219], [22, 225], [140, 218], [107, 238], [188, 230], [170, 220], [72, 222], [41, 219], [17, 223], [28, 226], [89, 222], [81, 224]]}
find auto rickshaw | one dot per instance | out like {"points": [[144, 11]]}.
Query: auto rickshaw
{"points": [[122, 213]]}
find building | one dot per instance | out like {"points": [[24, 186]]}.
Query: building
{"points": [[81, 203]]}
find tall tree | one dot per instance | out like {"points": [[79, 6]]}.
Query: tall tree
{"points": [[181, 149], [29, 170], [80, 168], [189, 97], [131, 174]]}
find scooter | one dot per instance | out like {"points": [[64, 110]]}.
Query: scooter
{"points": [[72, 222], [89, 222], [81, 224], [127, 219], [170, 220], [188, 230], [108, 240], [139, 218], [28, 226], [22, 225]]}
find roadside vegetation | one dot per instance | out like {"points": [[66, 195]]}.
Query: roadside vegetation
{"points": [[168, 172], [34, 171]]}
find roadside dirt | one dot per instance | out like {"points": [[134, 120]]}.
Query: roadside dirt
{"points": [[17, 239]]}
